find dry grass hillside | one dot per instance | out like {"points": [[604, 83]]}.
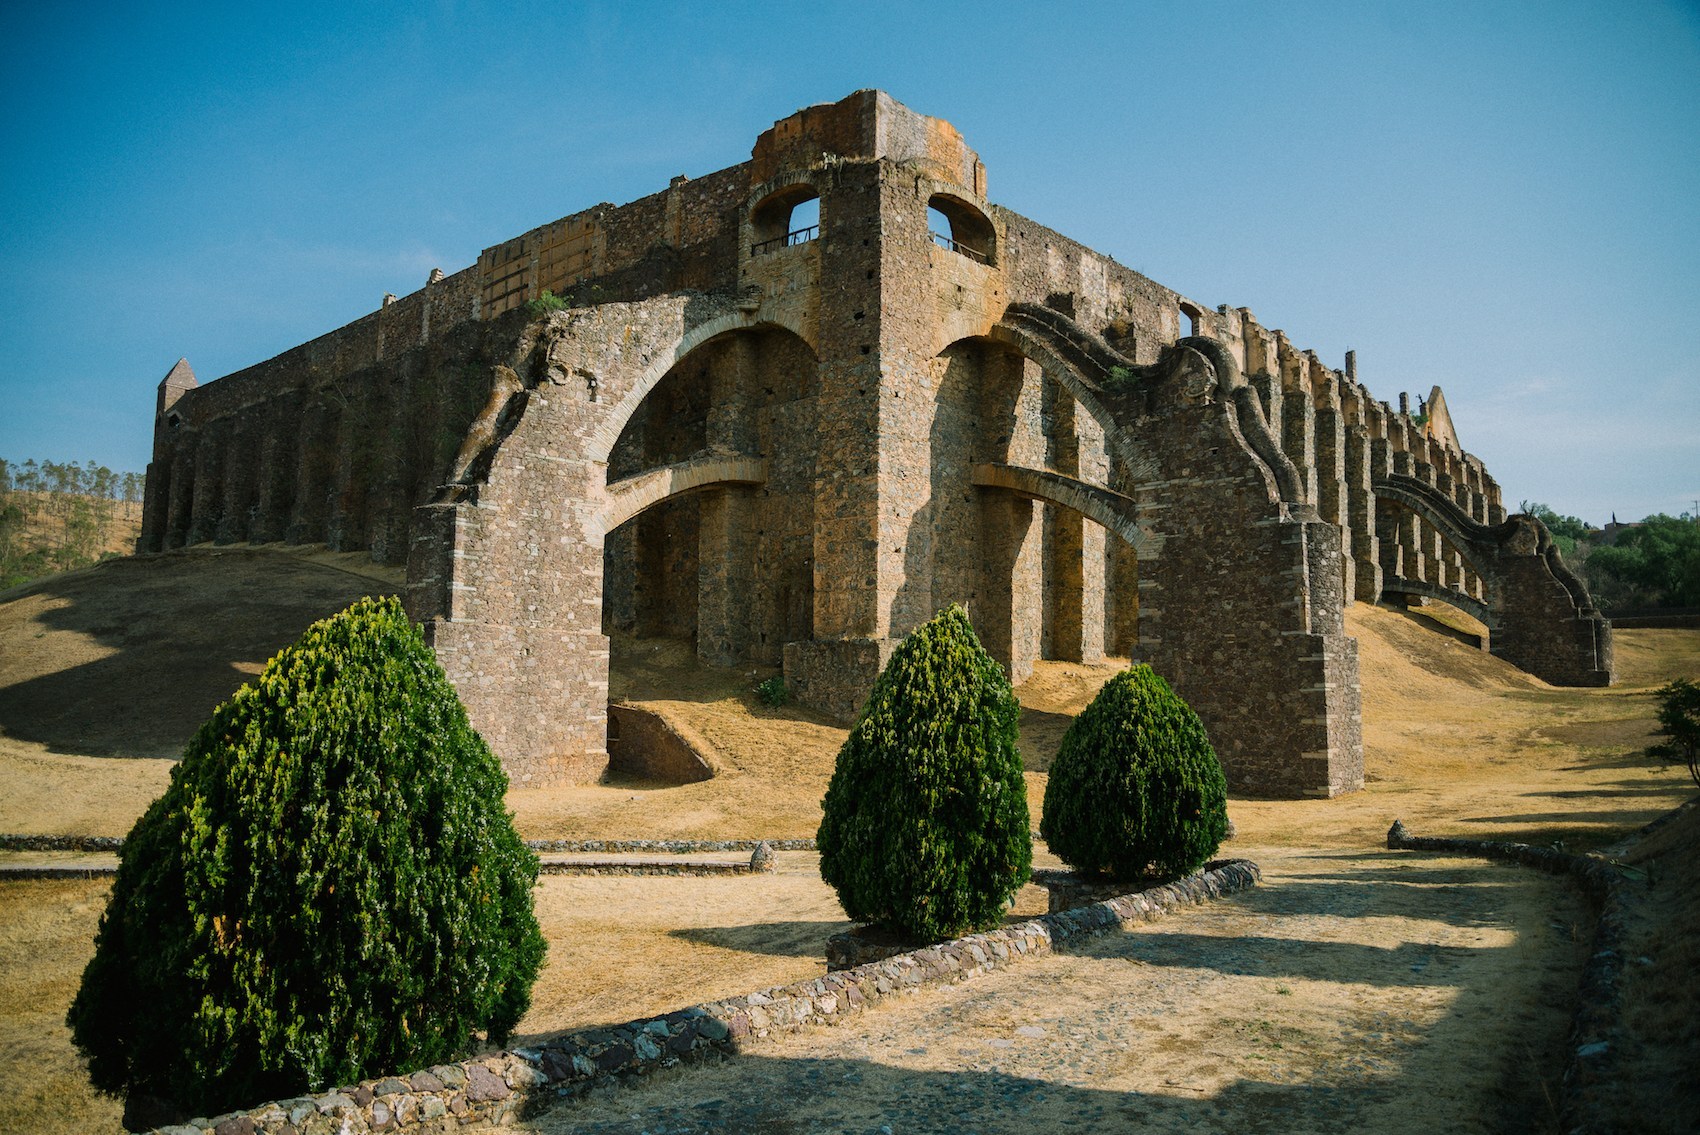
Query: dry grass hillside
{"points": [[106, 672]]}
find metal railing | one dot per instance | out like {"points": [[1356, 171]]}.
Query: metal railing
{"points": [[795, 236], [957, 246]]}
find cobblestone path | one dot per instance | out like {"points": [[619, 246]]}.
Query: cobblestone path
{"points": [[1352, 992]]}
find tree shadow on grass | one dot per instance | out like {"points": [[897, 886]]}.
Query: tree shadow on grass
{"points": [[797, 939], [177, 635]]}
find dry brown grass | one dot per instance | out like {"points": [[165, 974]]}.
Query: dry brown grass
{"points": [[123, 660]]}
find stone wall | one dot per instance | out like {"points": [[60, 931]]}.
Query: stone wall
{"points": [[793, 445]]}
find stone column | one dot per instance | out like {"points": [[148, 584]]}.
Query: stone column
{"points": [[727, 533]]}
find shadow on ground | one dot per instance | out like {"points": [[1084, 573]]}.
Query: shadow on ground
{"points": [[163, 644]]}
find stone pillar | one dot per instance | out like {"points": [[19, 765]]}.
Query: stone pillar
{"points": [[345, 523], [1360, 503], [180, 508], [1064, 538], [316, 461], [278, 470], [241, 479], [1298, 432], [1331, 495], [208, 503], [725, 561], [1007, 619]]}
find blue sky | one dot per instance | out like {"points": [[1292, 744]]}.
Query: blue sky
{"points": [[1500, 198]]}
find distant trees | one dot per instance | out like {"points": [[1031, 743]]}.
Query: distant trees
{"points": [[1654, 563], [55, 516]]}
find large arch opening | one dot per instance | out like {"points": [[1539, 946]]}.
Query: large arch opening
{"points": [[1041, 579], [717, 566]]}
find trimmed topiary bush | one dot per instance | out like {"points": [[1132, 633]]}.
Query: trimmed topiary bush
{"points": [[924, 828], [329, 889], [1135, 785]]}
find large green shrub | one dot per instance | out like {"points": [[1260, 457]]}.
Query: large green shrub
{"points": [[1679, 720], [924, 827], [1135, 784], [330, 887]]}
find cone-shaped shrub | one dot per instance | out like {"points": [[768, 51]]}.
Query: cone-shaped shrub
{"points": [[1135, 784], [924, 828], [330, 887]]}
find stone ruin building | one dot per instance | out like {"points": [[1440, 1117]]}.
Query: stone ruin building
{"points": [[793, 439]]}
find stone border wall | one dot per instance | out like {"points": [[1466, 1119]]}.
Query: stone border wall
{"points": [[667, 846], [1599, 1008], [98, 843], [659, 846], [490, 1091]]}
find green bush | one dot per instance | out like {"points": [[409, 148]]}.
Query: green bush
{"points": [[773, 692], [329, 889], [1135, 784], [545, 303], [924, 827], [1679, 719]]}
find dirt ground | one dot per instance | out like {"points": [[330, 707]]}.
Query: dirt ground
{"points": [[1393, 983]]}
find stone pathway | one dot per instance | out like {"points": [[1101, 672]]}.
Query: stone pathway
{"points": [[1351, 992]]}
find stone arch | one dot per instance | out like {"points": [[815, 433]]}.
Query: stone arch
{"points": [[606, 434], [767, 220], [1105, 507], [631, 496], [969, 231], [1032, 342], [700, 535], [1541, 618]]}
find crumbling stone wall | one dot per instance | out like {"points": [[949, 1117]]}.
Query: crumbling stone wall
{"points": [[793, 444]]}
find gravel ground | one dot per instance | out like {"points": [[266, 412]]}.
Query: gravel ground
{"points": [[1353, 992]]}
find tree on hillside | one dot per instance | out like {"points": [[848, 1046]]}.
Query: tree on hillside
{"points": [[1679, 719]]}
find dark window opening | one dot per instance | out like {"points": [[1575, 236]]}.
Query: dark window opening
{"points": [[961, 228], [790, 216]]}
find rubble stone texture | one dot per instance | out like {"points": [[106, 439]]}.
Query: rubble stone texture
{"points": [[792, 444]]}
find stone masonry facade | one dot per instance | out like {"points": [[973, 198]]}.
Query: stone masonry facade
{"points": [[791, 440]]}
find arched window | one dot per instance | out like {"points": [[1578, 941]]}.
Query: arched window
{"points": [[962, 228], [789, 216], [1188, 322]]}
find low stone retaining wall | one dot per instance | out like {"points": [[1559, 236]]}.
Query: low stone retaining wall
{"points": [[113, 844], [760, 862], [761, 858], [667, 846], [1599, 1008], [494, 1090], [97, 843]]}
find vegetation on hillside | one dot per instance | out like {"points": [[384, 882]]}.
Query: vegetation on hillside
{"points": [[1652, 563], [1679, 720], [58, 516], [924, 828], [330, 888]]}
